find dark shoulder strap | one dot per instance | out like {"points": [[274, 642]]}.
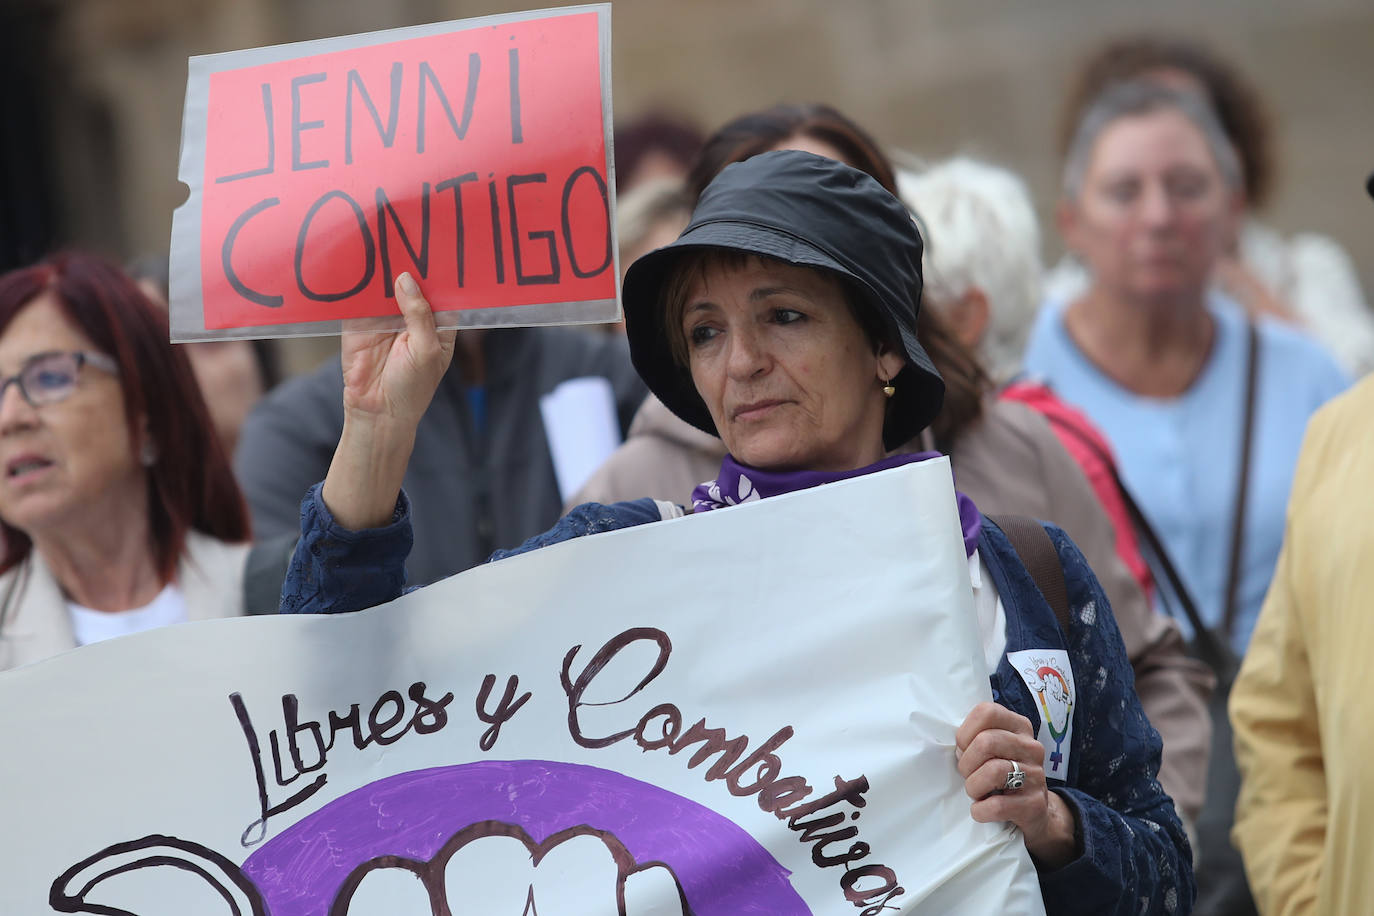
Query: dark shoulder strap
{"points": [[1208, 645], [1247, 435], [1036, 552]]}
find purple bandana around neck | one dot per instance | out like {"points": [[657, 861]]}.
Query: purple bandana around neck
{"points": [[740, 483]]}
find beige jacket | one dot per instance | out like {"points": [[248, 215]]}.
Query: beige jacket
{"points": [[1010, 463], [663, 457], [36, 623]]}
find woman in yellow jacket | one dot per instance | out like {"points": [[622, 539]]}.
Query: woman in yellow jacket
{"points": [[1304, 732]]}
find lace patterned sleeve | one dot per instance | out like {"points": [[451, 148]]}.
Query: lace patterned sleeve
{"points": [[335, 570], [1136, 858]]}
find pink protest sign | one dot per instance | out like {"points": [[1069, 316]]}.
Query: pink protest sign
{"points": [[472, 154]]}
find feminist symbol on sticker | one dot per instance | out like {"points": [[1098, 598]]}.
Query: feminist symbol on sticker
{"points": [[1044, 672]]}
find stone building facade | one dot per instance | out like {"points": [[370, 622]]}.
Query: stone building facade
{"points": [[91, 125]]}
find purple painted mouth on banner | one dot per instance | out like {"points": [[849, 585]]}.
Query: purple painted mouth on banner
{"points": [[720, 868]]}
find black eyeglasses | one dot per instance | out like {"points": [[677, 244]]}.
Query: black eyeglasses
{"points": [[47, 378]]}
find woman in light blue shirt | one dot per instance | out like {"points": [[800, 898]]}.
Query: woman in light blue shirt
{"points": [[1152, 194]]}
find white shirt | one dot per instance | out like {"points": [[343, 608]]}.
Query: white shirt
{"points": [[987, 608], [92, 626]]}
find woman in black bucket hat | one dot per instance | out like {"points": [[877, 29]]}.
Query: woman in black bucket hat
{"points": [[783, 319], [809, 212]]}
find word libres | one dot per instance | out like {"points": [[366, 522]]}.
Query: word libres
{"points": [[307, 742]]}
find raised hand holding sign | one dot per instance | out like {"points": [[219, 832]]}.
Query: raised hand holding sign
{"points": [[389, 379]]}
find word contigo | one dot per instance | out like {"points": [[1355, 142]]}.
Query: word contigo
{"points": [[374, 235]]}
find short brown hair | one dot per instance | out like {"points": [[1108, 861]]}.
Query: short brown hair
{"points": [[759, 131]]}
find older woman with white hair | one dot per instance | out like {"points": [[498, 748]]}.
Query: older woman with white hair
{"points": [[982, 256]]}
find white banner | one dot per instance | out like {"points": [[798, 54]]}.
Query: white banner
{"points": [[746, 711]]}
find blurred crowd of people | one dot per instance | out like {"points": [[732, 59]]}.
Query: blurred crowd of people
{"points": [[1149, 394]]}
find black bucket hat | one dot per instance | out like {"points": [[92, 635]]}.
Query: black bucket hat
{"points": [[807, 211]]}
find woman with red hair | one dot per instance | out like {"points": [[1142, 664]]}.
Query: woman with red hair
{"points": [[117, 504]]}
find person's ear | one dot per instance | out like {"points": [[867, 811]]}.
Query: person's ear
{"points": [[1066, 220], [890, 362], [147, 448], [969, 318], [1236, 205]]}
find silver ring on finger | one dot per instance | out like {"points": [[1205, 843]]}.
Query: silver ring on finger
{"points": [[1015, 779]]}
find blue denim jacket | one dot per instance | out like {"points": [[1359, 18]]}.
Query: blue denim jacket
{"points": [[1134, 855]]}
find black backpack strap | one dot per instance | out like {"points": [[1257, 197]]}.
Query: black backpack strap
{"points": [[1208, 644], [1036, 552], [1228, 621], [265, 572]]}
